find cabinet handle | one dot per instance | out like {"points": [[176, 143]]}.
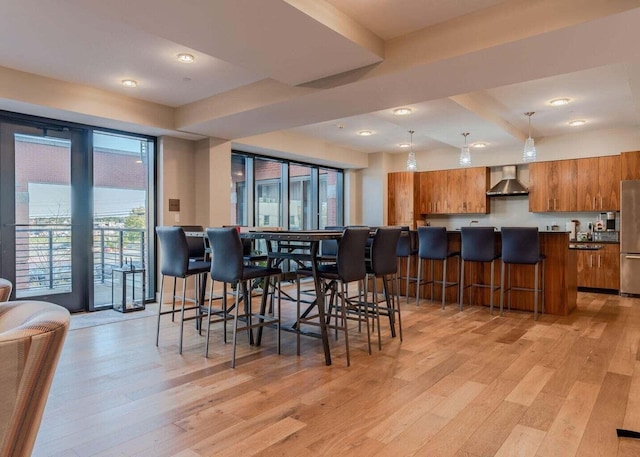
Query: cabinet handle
{"points": [[601, 205], [548, 204], [591, 261], [634, 257], [599, 261], [594, 203], [554, 204]]}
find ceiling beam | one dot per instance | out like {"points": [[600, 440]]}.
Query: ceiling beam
{"points": [[489, 109]]}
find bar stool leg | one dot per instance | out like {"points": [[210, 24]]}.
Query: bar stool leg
{"points": [[432, 278], [298, 314], [444, 281], [535, 293], [492, 289], [461, 285], [344, 322], [235, 327], [502, 288], [159, 311], [184, 297], [206, 344], [418, 279], [173, 301], [408, 274]]}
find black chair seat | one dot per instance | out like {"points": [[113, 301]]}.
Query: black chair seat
{"points": [[253, 272], [198, 266]]}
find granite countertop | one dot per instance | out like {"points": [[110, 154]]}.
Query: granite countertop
{"points": [[585, 246]]}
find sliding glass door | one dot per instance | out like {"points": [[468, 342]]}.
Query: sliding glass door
{"points": [[44, 214]]}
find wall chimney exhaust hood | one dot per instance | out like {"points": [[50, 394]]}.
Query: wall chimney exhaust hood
{"points": [[509, 185]]}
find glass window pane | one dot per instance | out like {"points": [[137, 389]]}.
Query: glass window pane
{"points": [[268, 196], [120, 203], [300, 205], [42, 215], [239, 196], [328, 196]]}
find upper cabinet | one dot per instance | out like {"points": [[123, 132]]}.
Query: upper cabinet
{"points": [[402, 188], [458, 191], [598, 184], [590, 184], [552, 186], [630, 165]]}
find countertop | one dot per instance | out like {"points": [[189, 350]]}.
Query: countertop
{"points": [[585, 246]]}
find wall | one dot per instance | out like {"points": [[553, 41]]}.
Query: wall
{"points": [[176, 163]]}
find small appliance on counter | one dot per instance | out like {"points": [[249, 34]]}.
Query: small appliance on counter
{"points": [[610, 236], [611, 220], [572, 227]]}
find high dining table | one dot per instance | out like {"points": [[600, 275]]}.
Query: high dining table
{"points": [[283, 245]]}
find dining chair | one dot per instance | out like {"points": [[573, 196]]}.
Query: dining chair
{"points": [[175, 263], [228, 266]]}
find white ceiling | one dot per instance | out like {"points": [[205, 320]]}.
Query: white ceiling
{"points": [[309, 65]]}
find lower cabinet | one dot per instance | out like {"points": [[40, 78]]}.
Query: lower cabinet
{"points": [[599, 269]]}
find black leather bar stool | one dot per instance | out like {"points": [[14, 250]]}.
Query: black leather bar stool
{"points": [[176, 264], [478, 245], [228, 266], [349, 267], [521, 245], [407, 248], [384, 264], [433, 244]]}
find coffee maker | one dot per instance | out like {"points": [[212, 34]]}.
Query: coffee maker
{"points": [[610, 221]]}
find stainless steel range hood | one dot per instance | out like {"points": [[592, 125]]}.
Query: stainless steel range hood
{"points": [[509, 185]]}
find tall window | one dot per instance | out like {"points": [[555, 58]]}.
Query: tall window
{"points": [[121, 218], [300, 198], [268, 178], [267, 192]]}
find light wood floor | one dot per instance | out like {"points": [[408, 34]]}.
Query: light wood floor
{"points": [[461, 384]]}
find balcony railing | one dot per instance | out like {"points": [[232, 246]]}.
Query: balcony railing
{"points": [[44, 258]]}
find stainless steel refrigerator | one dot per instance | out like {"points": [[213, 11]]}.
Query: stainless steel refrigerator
{"points": [[630, 237]]}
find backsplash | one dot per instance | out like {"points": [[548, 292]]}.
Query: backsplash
{"points": [[514, 212]]}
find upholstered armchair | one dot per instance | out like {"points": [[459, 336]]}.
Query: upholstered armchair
{"points": [[31, 338]]}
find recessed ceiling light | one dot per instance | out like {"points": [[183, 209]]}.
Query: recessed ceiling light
{"points": [[559, 101], [479, 145], [404, 145], [577, 122], [365, 133], [129, 82], [186, 58], [402, 111]]}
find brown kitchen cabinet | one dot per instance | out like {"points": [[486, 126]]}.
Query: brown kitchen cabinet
{"points": [[403, 188], [433, 192], [599, 269], [552, 186], [598, 184], [630, 165], [458, 191]]}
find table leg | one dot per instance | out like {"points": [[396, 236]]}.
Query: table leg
{"points": [[265, 291], [320, 302]]}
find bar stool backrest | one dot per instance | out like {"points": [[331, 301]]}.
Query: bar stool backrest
{"points": [[520, 245], [330, 247], [351, 250], [227, 263], [175, 251], [384, 260], [478, 244], [195, 243], [432, 243]]}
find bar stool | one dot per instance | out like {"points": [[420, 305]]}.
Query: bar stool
{"points": [[407, 248], [176, 264], [433, 245], [384, 264], [478, 245], [349, 267], [228, 266], [521, 245]]}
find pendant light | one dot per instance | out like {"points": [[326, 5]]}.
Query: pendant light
{"points": [[529, 152], [411, 160], [465, 155]]}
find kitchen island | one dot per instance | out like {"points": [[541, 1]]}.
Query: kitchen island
{"points": [[560, 277]]}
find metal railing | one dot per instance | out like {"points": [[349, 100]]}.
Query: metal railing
{"points": [[44, 258]]}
